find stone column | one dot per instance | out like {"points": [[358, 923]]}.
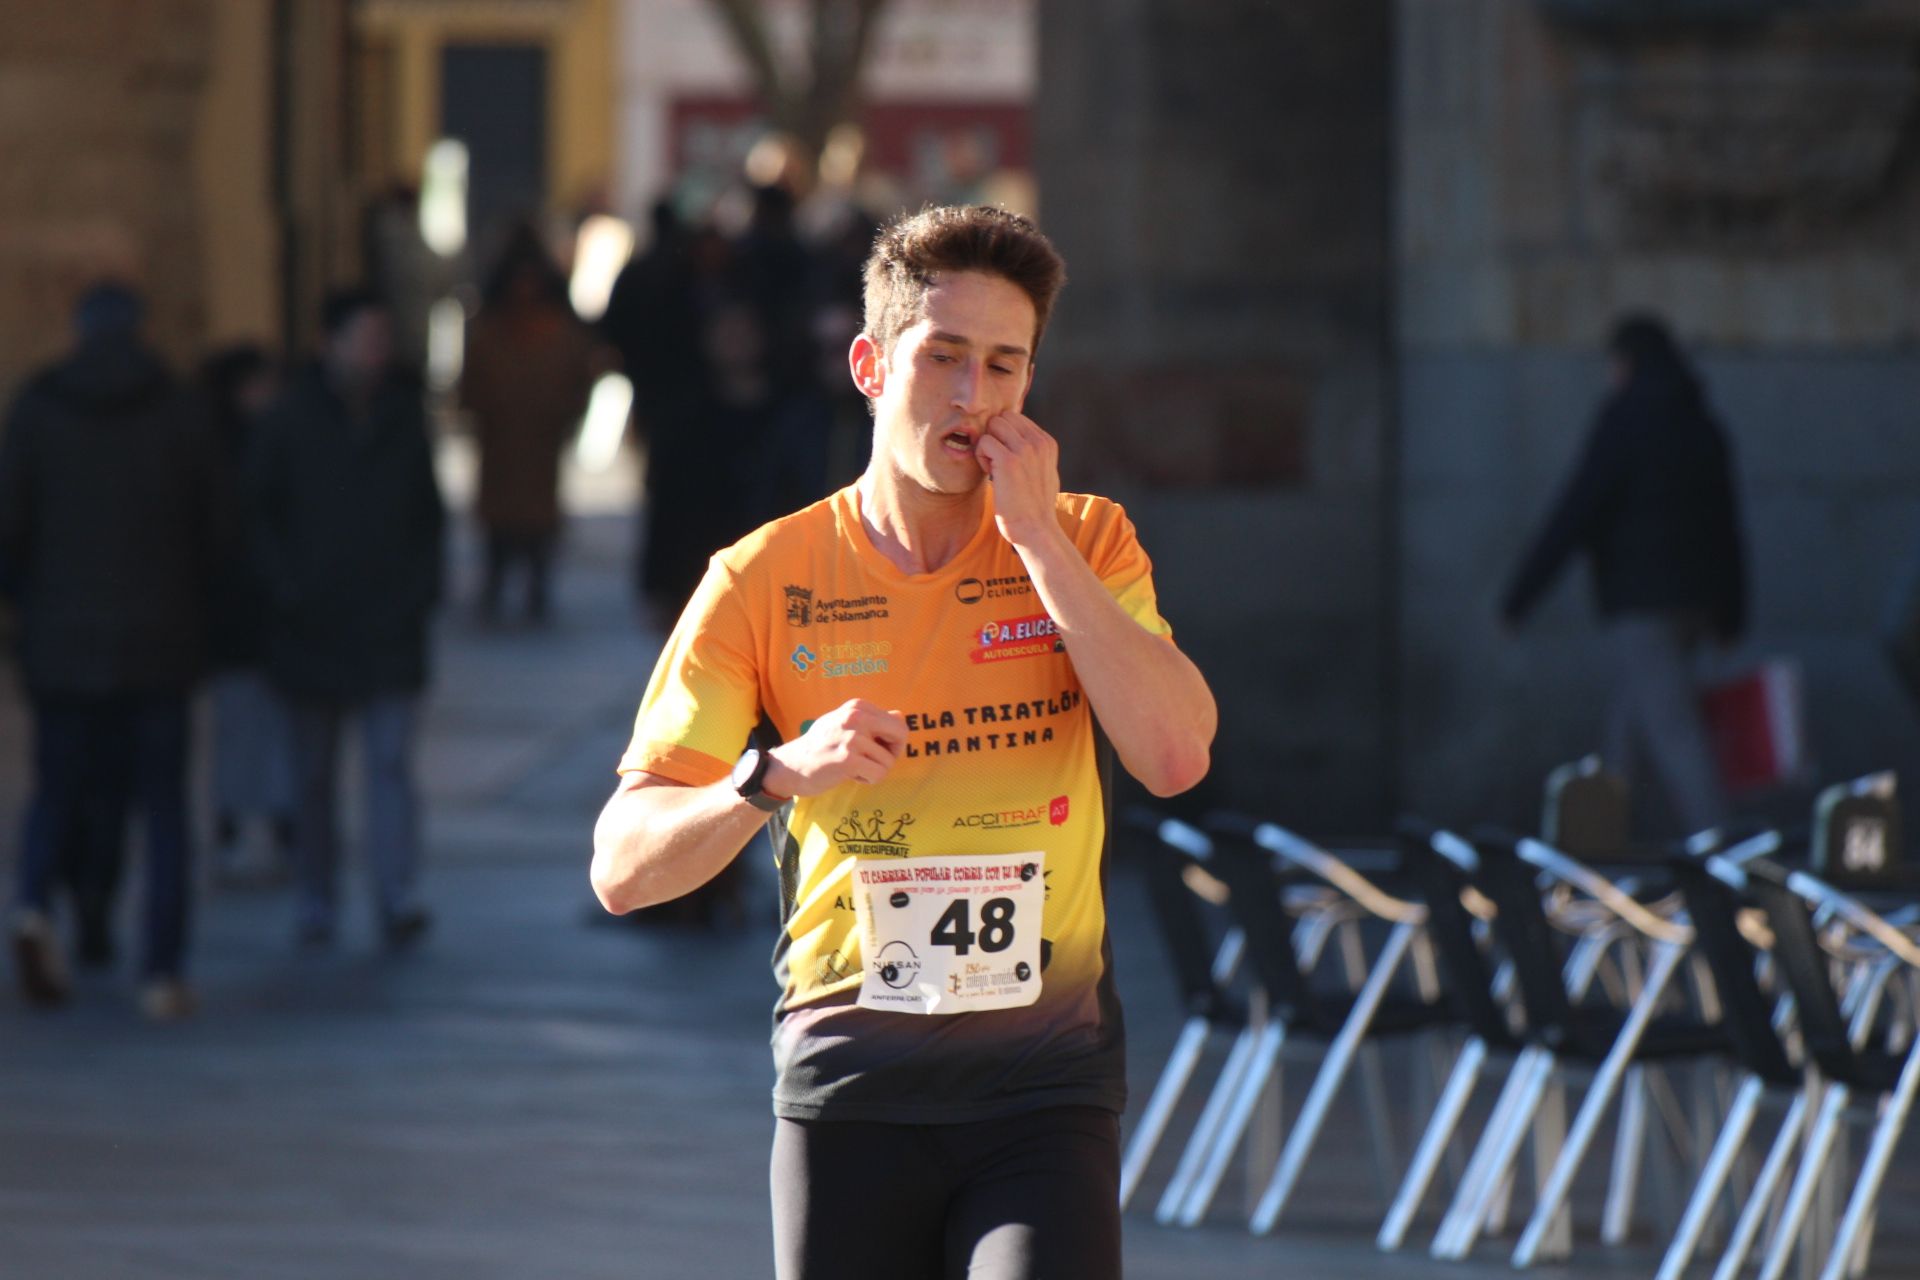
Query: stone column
{"points": [[1216, 175]]}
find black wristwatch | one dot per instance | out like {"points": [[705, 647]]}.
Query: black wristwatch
{"points": [[749, 779]]}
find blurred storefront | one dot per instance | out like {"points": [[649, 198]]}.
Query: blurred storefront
{"points": [[945, 104]]}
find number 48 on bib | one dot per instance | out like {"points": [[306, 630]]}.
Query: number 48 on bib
{"points": [[950, 935]]}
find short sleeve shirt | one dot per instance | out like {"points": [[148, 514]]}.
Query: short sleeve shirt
{"points": [[1002, 756]]}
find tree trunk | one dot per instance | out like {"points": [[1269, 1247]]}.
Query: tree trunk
{"points": [[806, 103]]}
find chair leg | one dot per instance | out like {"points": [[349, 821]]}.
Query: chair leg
{"points": [[1733, 1136], [1549, 1140], [1866, 1188], [1233, 1124], [1494, 1160], [1630, 1149], [1606, 1082], [1747, 1229], [1472, 1186], [1201, 1139], [1433, 1144], [1327, 1081], [1806, 1181], [1174, 1077]]}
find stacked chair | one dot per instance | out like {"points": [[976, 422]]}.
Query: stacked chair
{"points": [[1799, 996]]}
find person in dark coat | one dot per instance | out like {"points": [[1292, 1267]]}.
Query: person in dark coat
{"points": [[658, 318], [348, 524], [1652, 506], [252, 747], [111, 525]]}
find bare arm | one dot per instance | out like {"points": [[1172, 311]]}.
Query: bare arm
{"points": [[1151, 700], [657, 839]]}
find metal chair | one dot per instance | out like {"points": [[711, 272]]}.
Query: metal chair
{"points": [[1204, 982], [1296, 1011], [1849, 1066], [1755, 1022], [1605, 1039], [1186, 896]]}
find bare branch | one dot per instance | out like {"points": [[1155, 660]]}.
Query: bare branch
{"points": [[746, 23]]}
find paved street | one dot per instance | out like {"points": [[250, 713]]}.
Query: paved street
{"points": [[540, 1091]]}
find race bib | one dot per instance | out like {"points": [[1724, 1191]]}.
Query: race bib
{"points": [[950, 935]]}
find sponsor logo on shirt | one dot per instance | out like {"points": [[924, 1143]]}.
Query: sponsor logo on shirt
{"points": [[837, 661], [834, 967], [974, 590], [897, 965], [799, 606], [1033, 636], [1055, 811], [873, 834], [803, 610], [993, 726]]}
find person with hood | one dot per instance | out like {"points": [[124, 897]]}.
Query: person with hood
{"points": [[347, 521], [1652, 506], [111, 528]]}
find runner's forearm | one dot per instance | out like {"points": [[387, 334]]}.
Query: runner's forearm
{"points": [[656, 841], [1151, 700]]}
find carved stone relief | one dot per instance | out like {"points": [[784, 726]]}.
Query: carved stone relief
{"points": [[1756, 147]]}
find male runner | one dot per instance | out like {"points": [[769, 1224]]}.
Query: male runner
{"points": [[936, 663]]}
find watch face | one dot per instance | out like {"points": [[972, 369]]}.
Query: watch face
{"points": [[743, 767]]}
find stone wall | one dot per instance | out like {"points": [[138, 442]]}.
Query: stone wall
{"points": [[1217, 178], [1757, 183], [98, 112]]}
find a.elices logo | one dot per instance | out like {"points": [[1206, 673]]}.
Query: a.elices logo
{"points": [[874, 836], [799, 606], [1026, 637]]}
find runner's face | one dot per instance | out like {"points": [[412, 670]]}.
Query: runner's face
{"points": [[967, 359]]}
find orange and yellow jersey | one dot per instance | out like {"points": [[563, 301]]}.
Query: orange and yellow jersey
{"points": [[1002, 756]]}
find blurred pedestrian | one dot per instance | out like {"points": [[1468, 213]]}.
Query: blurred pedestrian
{"points": [[779, 278], [111, 524], [252, 775], [1652, 506], [348, 523], [656, 320], [528, 370]]}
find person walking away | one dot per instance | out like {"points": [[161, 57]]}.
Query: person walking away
{"points": [[112, 522], [528, 370], [252, 747], [1652, 506], [348, 524]]}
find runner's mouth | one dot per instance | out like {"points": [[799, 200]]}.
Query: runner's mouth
{"points": [[959, 440]]}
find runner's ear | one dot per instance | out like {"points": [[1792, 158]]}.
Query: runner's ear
{"points": [[868, 364]]}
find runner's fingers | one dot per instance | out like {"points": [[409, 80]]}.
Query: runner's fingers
{"points": [[875, 762]]}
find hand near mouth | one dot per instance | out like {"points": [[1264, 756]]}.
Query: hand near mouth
{"points": [[1023, 464]]}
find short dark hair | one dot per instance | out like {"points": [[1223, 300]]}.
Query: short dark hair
{"points": [[108, 308], [1645, 342], [342, 306], [913, 251]]}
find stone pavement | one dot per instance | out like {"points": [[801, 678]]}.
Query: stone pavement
{"points": [[539, 1091]]}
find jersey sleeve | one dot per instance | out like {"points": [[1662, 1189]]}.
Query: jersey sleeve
{"points": [[704, 698], [1114, 552]]}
